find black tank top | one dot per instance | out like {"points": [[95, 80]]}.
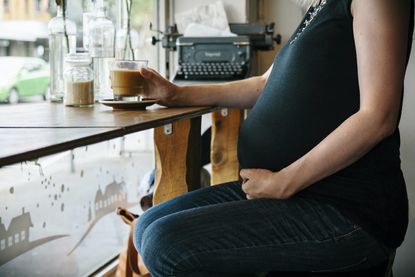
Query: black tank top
{"points": [[312, 89]]}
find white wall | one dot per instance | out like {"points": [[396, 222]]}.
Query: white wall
{"points": [[404, 265], [286, 16], [236, 10]]}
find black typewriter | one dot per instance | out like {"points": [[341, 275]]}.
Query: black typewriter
{"points": [[210, 58], [218, 58]]}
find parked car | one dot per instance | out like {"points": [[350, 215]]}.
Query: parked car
{"points": [[23, 77]]}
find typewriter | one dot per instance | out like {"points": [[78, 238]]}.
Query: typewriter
{"points": [[218, 58], [212, 58]]}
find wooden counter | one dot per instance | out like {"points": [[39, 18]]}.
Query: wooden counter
{"points": [[30, 131]]}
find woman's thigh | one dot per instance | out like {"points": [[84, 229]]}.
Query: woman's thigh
{"points": [[257, 235], [223, 193]]}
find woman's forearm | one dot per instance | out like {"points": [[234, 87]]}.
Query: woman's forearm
{"points": [[345, 145], [237, 94]]}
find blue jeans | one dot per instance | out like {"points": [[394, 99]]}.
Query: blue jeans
{"points": [[216, 231]]}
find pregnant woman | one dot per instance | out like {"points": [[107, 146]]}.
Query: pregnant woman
{"points": [[322, 188]]}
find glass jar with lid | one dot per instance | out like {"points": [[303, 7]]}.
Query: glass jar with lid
{"points": [[79, 80]]}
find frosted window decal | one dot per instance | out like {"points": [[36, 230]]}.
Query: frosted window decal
{"points": [[62, 207]]}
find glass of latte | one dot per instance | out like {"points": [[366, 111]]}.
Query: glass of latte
{"points": [[126, 82]]}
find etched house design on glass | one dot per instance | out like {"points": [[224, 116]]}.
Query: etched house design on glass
{"points": [[114, 195], [16, 237], [15, 240]]}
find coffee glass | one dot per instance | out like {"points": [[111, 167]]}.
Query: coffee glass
{"points": [[126, 82]]}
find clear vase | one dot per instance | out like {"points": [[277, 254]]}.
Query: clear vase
{"points": [[62, 41]]}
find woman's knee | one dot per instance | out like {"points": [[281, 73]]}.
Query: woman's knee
{"points": [[160, 249], [141, 225]]}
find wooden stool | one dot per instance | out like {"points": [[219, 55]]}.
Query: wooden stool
{"points": [[382, 270]]}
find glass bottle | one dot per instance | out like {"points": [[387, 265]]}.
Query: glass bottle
{"points": [[62, 40], [79, 80], [87, 16], [101, 47]]}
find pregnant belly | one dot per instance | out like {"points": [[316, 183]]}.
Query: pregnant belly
{"points": [[279, 130]]}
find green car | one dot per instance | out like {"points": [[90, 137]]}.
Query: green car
{"points": [[23, 77]]}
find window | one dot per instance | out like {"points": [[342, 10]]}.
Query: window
{"points": [[78, 192], [37, 88], [16, 238]]}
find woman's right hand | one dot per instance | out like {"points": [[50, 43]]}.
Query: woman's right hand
{"points": [[159, 88]]}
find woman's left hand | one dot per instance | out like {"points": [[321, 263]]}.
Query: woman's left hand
{"points": [[262, 183]]}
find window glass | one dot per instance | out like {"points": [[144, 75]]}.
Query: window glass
{"points": [[47, 207], [24, 35], [62, 208]]}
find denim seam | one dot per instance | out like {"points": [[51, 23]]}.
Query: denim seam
{"points": [[358, 228]]}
